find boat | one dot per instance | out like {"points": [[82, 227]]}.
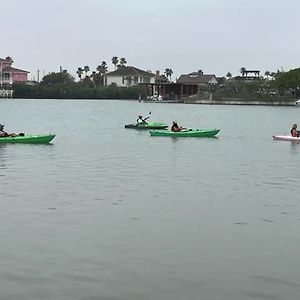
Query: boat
{"points": [[297, 103], [149, 125], [186, 133], [28, 139], [285, 138]]}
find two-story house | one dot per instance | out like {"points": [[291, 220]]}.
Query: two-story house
{"points": [[128, 76], [9, 74]]}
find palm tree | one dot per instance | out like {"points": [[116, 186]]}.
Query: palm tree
{"points": [[8, 58], [93, 74], [86, 69], [79, 72], [243, 70], [123, 61], [168, 73], [115, 61], [267, 73], [102, 69]]}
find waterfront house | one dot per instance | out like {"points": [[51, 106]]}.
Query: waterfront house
{"points": [[9, 74], [160, 78], [126, 76], [198, 78]]}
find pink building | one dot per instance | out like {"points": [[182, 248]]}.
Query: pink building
{"points": [[10, 75]]}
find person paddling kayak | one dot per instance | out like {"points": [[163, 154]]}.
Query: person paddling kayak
{"points": [[294, 131], [6, 134], [141, 120], [175, 127]]}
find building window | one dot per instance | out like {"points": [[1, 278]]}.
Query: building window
{"points": [[129, 79], [135, 80], [123, 80], [5, 76]]}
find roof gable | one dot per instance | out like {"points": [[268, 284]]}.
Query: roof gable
{"points": [[129, 71], [14, 70], [195, 79], [7, 59]]}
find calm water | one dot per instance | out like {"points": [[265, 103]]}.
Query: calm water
{"points": [[111, 213]]}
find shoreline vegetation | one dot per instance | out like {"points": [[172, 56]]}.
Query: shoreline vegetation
{"points": [[280, 89]]}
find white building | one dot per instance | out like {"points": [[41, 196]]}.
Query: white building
{"points": [[128, 76]]}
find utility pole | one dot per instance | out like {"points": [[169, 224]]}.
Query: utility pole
{"points": [[38, 75]]}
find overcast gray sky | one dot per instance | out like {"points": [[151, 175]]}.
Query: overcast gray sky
{"points": [[185, 35]]}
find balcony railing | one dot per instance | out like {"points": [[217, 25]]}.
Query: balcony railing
{"points": [[6, 81]]}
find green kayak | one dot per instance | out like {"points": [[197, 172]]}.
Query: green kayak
{"points": [[149, 125], [186, 133], [28, 139]]}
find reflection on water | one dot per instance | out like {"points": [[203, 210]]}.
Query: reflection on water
{"points": [[2, 158], [111, 213]]}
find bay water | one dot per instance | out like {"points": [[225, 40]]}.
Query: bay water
{"points": [[105, 212]]}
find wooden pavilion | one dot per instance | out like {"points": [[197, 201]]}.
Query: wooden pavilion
{"points": [[168, 91]]}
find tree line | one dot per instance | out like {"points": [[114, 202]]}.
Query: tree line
{"points": [[62, 85]]}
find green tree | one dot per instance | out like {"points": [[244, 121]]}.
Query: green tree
{"points": [[86, 70], [8, 58], [228, 75], [267, 73], [93, 76], [123, 61], [287, 80], [168, 72], [242, 70], [115, 61], [62, 78], [79, 72], [102, 69], [87, 82]]}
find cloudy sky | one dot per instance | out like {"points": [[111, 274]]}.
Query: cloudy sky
{"points": [[185, 35]]}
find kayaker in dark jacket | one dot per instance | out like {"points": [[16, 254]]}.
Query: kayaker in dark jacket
{"points": [[141, 120], [294, 131], [175, 127], [5, 134], [2, 132]]}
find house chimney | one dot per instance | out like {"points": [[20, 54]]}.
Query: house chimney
{"points": [[200, 72]]}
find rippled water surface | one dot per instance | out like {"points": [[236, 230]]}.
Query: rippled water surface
{"points": [[111, 213]]}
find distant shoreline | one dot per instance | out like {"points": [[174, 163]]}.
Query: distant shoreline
{"points": [[185, 101], [243, 102], [226, 102]]}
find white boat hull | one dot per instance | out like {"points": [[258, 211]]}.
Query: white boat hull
{"points": [[285, 138]]}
